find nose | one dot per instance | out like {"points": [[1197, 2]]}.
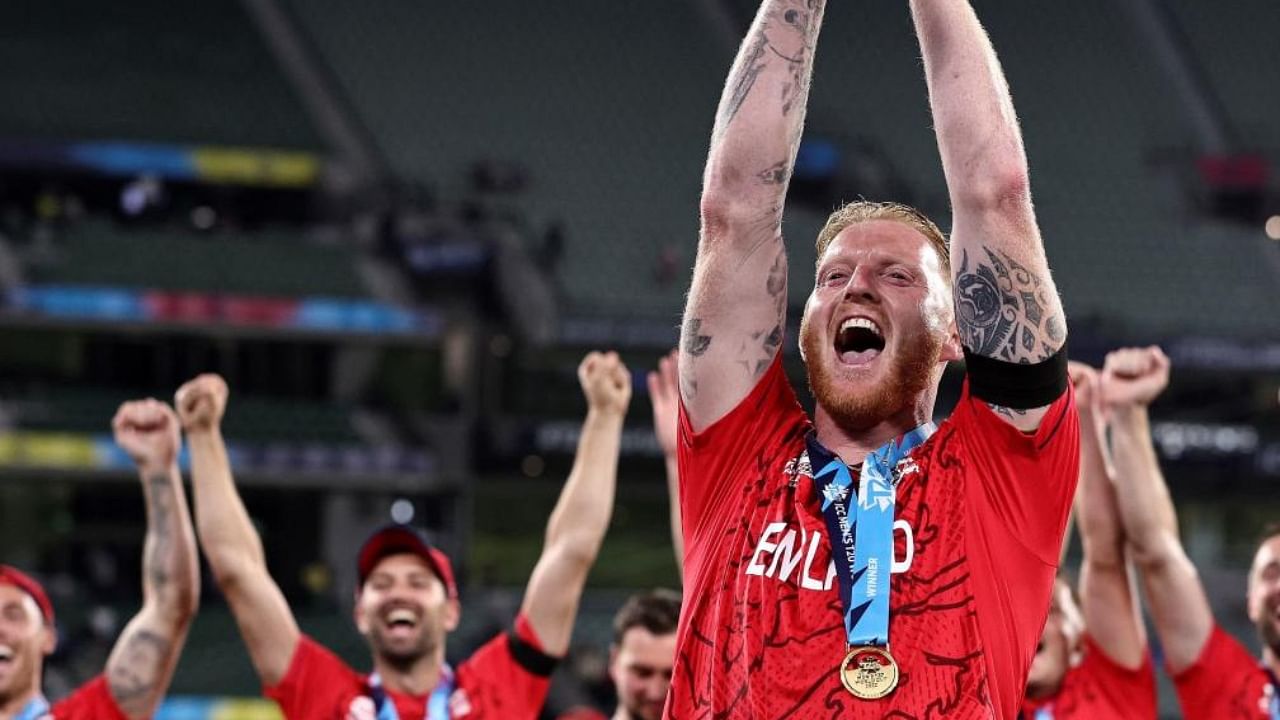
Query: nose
{"points": [[861, 285]]}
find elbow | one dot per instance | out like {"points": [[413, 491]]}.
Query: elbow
{"points": [[1154, 553], [1002, 190], [576, 553]]}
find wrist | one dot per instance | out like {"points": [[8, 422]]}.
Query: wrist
{"points": [[605, 414], [1128, 413], [204, 436], [151, 468]]}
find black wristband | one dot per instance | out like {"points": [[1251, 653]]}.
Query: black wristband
{"points": [[1014, 385], [529, 657]]}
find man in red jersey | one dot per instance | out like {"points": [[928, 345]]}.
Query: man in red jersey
{"points": [[643, 653], [407, 601], [141, 664], [782, 618], [1216, 677], [1092, 662]]}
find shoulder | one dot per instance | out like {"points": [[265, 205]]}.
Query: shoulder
{"points": [[91, 700]]}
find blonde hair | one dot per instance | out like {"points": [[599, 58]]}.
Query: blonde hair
{"points": [[860, 211]]}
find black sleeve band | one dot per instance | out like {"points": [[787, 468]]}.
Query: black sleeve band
{"points": [[1017, 386], [529, 657]]}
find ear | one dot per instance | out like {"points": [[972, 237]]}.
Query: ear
{"points": [[49, 642], [952, 349], [452, 614], [359, 616], [613, 663]]}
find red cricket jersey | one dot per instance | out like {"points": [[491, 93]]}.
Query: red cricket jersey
{"points": [[981, 509], [1099, 689], [1225, 683], [492, 684], [91, 701]]}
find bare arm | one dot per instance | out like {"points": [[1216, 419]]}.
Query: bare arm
{"points": [[735, 317], [1007, 306], [1108, 598], [581, 516], [228, 538], [663, 390], [1179, 608], [142, 662]]}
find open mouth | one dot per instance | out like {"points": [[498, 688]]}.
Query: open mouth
{"points": [[6, 654], [401, 619], [859, 341]]}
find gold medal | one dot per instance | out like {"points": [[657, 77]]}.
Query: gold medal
{"points": [[869, 673]]}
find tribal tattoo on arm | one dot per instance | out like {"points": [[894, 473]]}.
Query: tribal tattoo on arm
{"points": [[1001, 310]]}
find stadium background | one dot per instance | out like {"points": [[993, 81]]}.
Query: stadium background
{"points": [[395, 227]]}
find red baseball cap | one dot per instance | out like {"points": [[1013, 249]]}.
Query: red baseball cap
{"points": [[395, 539], [27, 584]]}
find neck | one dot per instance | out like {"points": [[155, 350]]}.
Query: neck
{"points": [[11, 706], [1271, 660], [622, 714], [418, 678], [1042, 691], [853, 446]]}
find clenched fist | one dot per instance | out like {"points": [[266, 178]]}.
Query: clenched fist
{"points": [[1086, 382], [148, 431], [201, 403], [606, 383], [1134, 376]]}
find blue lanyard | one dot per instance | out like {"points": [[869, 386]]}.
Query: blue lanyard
{"points": [[1275, 693], [437, 704], [37, 708], [864, 575]]}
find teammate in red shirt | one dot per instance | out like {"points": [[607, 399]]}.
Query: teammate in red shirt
{"points": [[972, 531], [1216, 677], [141, 664], [1104, 672], [407, 600]]}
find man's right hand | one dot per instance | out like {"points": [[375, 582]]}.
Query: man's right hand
{"points": [[201, 403], [1134, 376], [664, 394], [148, 431]]}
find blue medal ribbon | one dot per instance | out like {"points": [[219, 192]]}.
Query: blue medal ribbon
{"points": [[1275, 693], [35, 709], [864, 575], [437, 704]]}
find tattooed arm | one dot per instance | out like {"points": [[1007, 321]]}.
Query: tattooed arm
{"points": [[1007, 306], [228, 538], [142, 662], [735, 316]]}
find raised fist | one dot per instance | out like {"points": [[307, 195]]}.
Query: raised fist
{"points": [[664, 393], [148, 431], [201, 403], [1134, 376], [606, 383]]}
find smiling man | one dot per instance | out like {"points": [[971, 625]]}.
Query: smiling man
{"points": [[407, 599], [1215, 676], [865, 564], [643, 653], [141, 664]]}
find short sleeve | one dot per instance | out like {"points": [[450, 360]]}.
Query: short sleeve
{"points": [[1131, 692], [710, 459], [1219, 679], [503, 680], [1022, 483], [316, 682], [91, 701]]}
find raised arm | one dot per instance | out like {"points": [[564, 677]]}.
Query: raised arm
{"points": [[581, 516], [230, 543], [1007, 306], [663, 394], [1132, 379], [1107, 596], [144, 657], [735, 317]]}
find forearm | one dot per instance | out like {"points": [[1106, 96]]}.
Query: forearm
{"points": [[977, 128], [581, 516], [1146, 509], [227, 536], [1097, 511], [145, 655], [761, 116]]}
